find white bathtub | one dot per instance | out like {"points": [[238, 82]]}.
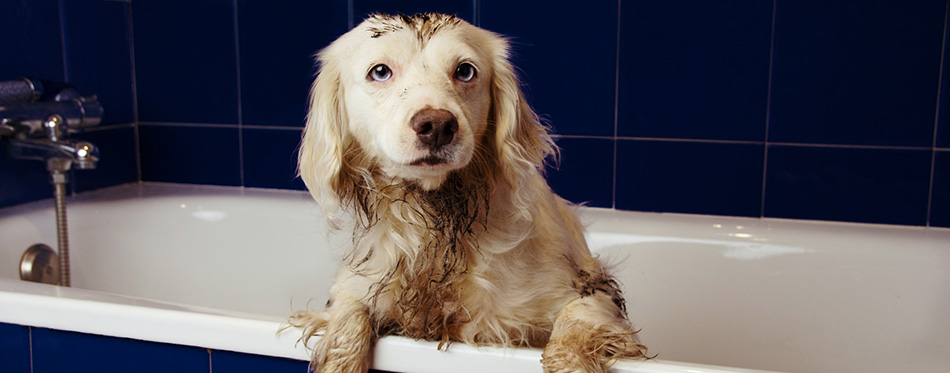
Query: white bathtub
{"points": [[220, 268]]}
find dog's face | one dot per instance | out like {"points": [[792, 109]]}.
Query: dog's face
{"points": [[416, 95], [415, 98]]}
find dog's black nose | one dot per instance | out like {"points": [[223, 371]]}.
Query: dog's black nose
{"points": [[434, 127]]}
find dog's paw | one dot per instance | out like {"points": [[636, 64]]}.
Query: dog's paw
{"points": [[559, 358]]}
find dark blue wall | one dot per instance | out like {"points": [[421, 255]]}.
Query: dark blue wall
{"points": [[805, 109]]}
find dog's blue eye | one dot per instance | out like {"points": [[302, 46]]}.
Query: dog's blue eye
{"points": [[380, 73], [465, 72]]}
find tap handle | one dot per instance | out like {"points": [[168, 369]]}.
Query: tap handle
{"points": [[20, 90]]}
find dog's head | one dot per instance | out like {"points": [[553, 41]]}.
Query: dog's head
{"points": [[415, 98]]}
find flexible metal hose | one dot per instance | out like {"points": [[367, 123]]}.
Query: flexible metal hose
{"points": [[62, 233]]}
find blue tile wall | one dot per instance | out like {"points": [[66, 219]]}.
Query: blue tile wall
{"points": [[192, 155], [580, 170], [862, 185], [772, 106], [117, 159], [185, 61], [689, 177], [694, 69], [86, 43], [98, 43], [270, 158], [853, 72], [278, 40], [575, 63], [940, 207]]}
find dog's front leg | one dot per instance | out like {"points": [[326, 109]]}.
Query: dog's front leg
{"points": [[588, 334], [347, 343]]}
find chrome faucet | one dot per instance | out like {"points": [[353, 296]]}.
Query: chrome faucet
{"points": [[37, 127], [59, 152]]}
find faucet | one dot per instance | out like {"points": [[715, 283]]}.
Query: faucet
{"points": [[38, 124], [37, 127], [58, 151]]}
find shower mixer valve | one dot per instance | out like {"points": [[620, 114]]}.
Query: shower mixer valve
{"points": [[37, 122]]}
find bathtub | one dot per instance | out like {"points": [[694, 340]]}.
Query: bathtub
{"points": [[220, 268]]}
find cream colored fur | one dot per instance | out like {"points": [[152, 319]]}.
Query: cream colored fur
{"points": [[475, 248]]}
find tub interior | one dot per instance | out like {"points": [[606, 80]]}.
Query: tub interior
{"points": [[263, 252]]}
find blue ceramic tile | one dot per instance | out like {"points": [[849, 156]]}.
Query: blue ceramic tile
{"points": [[856, 72], [185, 61], [270, 159], [943, 119], [15, 348], [117, 164], [847, 184], [32, 41], [99, 55], [940, 205], [22, 181], [567, 56], [60, 351], [462, 8], [694, 69], [193, 155], [585, 173], [233, 362], [690, 177], [278, 42], [943, 129]]}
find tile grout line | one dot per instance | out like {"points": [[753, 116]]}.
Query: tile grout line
{"points": [[237, 68], [29, 330], [768, 112], [135, 98], [613, 188]]}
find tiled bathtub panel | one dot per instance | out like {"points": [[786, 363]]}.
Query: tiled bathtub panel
{"points": [[15, 348], [234, 362], [61, 351]]}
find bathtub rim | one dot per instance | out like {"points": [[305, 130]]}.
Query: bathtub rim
{"points": [[99, 313]]}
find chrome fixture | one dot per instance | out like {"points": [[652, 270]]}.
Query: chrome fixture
{"points": [[40, 264], [36, 118]]}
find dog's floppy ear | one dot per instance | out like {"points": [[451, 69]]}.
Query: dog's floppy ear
{"points": [[522, 142], [324, 143]]}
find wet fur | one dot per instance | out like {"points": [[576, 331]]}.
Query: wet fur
{"points": [[479, 251]]}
